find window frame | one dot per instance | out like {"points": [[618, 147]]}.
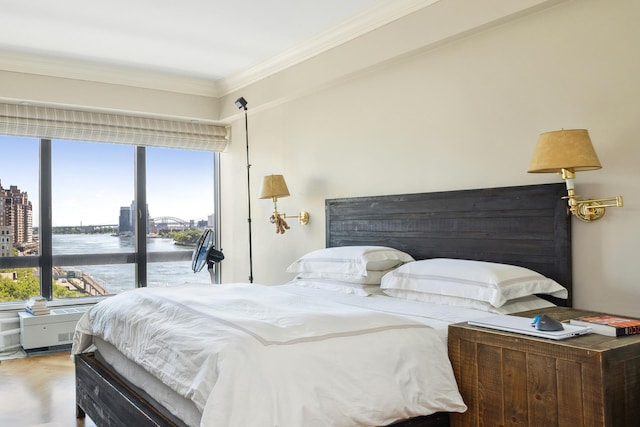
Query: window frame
{"points": [[45, 260]]}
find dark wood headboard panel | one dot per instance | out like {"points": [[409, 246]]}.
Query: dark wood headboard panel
{"points": [[525, 225]]}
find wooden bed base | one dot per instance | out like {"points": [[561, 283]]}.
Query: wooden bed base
{"points": [[97, 384], [526, 225], [110, 400]]}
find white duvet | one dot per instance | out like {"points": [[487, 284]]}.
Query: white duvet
{"points": [[251, 355]]}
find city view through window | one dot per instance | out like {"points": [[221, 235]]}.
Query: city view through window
{"points": [[91, 201]]}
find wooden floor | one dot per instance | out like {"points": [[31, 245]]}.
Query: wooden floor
{"points": [[39, 391]]}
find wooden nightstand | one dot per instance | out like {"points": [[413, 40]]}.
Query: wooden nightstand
{"points": [[513, 379]]}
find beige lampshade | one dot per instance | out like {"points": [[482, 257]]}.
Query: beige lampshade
{"points": [[569, 149], [273, 186]]}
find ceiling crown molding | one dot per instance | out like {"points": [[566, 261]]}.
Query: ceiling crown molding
{"points": [[101, 73], [371, 18], [368, 20]]}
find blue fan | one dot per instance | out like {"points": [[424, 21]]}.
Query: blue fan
{"points": [[206, 253]]}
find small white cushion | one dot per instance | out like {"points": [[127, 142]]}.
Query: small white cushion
{"points": [[350, 260], [334, 286], [372, 278], [483, 281]]}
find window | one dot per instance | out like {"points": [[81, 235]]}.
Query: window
{"points": [[19, 213], [180, 198], [89, 183], [89, 246]]}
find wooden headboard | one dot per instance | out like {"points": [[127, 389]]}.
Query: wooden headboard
{"points": [[525, 225]]}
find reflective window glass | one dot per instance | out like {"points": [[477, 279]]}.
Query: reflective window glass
{"points": [[19, 216], [180, 205], [90, 184]]}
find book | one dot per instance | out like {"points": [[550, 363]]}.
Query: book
{"points": [[613, 326], [36, 311], [37, 306]]}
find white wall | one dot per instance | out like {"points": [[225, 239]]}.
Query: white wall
{"points": [[456, 115]]}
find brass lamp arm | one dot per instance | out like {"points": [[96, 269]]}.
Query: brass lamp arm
{"points": [[588, 210], [611, 202], [302, 217]]}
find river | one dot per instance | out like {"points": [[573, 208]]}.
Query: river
{"points": [[119, 277]]}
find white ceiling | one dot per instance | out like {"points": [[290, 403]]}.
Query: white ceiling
{"points": [[204, 40]]}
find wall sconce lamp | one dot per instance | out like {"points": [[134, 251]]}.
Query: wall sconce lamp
{"points": [[568, 151], [272, 187]]}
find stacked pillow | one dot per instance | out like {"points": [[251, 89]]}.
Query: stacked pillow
{"points": [[485, 286], [347, 268], [472, 284]]}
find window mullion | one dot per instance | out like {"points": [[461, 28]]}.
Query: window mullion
{"points": [[141, 216], [216, 209], [45, 226]]}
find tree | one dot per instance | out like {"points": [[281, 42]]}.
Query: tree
{"points": [[28, 285], [187, 237], [25, 287]]}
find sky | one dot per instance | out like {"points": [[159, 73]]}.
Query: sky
{"points": [[91, 181]]}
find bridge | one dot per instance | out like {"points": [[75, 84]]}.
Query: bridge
{"points": [[87, 229], [159, 223], [170, 223]]}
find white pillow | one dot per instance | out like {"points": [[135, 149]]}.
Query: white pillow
{"points": [[530, 302], [350, 260], [372, 277], [333, 286], [483, 281]]}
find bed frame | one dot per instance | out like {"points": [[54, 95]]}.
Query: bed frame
{"points": [[524, 225], [527, 226]]}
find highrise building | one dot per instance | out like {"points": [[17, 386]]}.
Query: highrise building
{"points": [[17, 214], [126, 221], [5, 233], [6, 245]]}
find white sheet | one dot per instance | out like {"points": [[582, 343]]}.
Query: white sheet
{"points": [[249, 355], [438, 316]]}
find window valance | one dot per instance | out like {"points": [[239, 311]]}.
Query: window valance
{"points": [[58, 123]]}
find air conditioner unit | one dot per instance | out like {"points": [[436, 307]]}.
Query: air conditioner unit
{"points": [[48, 330], [9, 332]]}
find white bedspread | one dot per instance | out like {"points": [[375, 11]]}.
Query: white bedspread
{"points": [[251, 355]]}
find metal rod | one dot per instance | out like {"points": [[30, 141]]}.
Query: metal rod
{"points": [[246, 132]]}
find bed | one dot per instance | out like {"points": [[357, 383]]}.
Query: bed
{"points": [[525, 226]]}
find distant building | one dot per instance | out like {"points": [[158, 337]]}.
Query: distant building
{"points": [[6, 244], [126, 221], [16, 213], [5, 233]]}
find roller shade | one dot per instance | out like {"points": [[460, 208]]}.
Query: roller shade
{"points": [[57, 123]]}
